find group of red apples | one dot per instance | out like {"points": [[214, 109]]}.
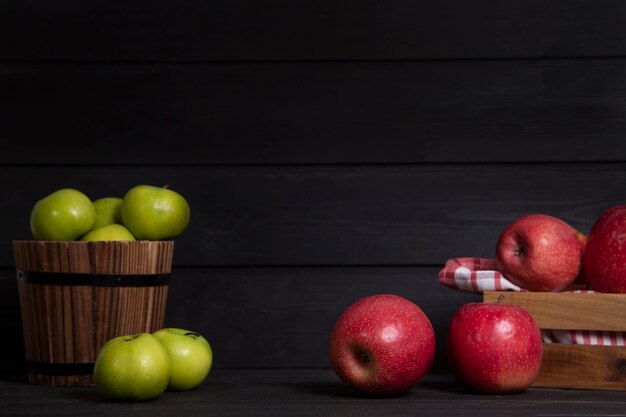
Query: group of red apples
{"points": [[384, 344]]}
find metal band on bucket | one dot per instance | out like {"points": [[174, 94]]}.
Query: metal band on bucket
{"points": [[95, 280]]}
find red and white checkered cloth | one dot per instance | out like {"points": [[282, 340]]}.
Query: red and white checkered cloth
{"points": [[479, 274], [474, 275]]}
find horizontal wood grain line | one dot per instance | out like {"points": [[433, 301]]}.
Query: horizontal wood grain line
{"points": [[322, 113], [300, 30], [376, 215], [269, 317], [313, 392]]}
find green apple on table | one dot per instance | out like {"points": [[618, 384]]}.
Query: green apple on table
{"points": [[132, 368], [191, 357], [154, 213], [66, 214], [109, 232], [107, 211]]}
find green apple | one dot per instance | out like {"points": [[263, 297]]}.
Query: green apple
{"points": [[132, 368], [191, 357], [66, 214], [110, 232], [107, 212], [153, 213]]}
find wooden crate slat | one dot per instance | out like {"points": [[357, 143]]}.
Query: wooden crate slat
{"points": [[582, 367], [568, 311]]}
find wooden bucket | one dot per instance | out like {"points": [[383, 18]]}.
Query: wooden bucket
{"points": [[74, 296]]}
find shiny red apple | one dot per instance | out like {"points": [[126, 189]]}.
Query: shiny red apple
{"points": [[382, 345], [494, 348], [604, 261], [539, 252]]}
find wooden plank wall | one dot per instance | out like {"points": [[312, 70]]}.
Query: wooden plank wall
{"points": [[329, 150]]}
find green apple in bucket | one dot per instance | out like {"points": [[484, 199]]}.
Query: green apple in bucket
{"points": [[109, 232], [132, 368], [107, 211], [66, 214], [154, 213]]}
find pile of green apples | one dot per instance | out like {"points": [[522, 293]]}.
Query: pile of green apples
{"points": [[140, 367], [145, 213]]}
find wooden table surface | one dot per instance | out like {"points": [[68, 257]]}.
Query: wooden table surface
{"points": [[307, 392]]}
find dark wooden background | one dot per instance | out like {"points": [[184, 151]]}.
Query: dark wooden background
{"points": [[329, 150]]}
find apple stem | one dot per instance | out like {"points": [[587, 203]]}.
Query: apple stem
{"points": [[194, 334]]}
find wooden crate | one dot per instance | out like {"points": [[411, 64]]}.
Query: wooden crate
{"points": [[574, 365]]}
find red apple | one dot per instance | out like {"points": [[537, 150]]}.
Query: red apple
{"points": [[604, 261], [494, 348], [382, 345], [539, 252]]}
